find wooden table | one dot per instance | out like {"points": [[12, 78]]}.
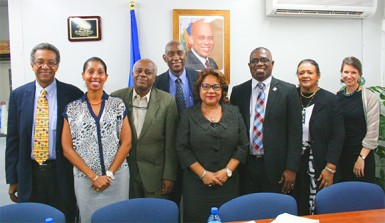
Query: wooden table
{"points": [[369, 216]]}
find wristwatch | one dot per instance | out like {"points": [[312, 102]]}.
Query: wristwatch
{"points": [[362, 157], [228, 172], [110, 175]]}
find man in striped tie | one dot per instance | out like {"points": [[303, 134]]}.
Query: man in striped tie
{"points": [[272, 112]]}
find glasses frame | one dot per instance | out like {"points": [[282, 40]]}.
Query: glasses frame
{"points": [[263, 60], [40, 64], [206, 87]]}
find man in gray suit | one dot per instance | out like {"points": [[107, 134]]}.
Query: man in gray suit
{"points": [[202, 43], [272, 113], [153, 118]]}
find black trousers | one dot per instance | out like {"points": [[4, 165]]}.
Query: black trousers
{"points": [[45, 189], [256, 178]]}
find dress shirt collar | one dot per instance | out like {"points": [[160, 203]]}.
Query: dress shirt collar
{"points": [[201, 59], [183, 77], [50, 89], [267, 82], [136, 95]]}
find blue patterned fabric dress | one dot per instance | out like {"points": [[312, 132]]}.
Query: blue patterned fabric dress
{"points": [[96, 140]]}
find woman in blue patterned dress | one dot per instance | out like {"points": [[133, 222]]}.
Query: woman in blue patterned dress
{"points": [[96, 139]]}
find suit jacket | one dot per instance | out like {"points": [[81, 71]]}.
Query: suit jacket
{"points": [[327, 131], [212, 148], [18, 163], [162, 81], [153, 152], [194, 63], [282, 127]]}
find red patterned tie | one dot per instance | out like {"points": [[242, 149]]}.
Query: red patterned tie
{"points": [[40, 147], [207, 64], [258, 121]]}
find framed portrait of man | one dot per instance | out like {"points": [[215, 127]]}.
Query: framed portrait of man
{"points": [[205, 35]]}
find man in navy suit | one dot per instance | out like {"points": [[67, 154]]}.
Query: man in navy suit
{"points": [[175, 57], [271, 165], [202, 44], [52, 181]]}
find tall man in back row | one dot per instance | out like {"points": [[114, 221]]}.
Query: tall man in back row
{"points": [[179, 82], [272, 113], [35, 166]]}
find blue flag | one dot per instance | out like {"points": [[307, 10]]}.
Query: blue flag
{"points": [[134, 48]]}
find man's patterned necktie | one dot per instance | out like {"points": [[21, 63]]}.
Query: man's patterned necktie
{"points": [[40, 148], [179, 96], [258, 121]]}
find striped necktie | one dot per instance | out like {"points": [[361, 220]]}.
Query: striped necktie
{"points": [[258, 121], [40, 147]]}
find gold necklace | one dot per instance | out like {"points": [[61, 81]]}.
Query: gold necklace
{"points": [[98, 103], [212, 118], [308, 104], [310, 96]]}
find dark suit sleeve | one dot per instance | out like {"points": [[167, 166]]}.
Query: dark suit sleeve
{"points": [[337, 135], [12, 142], [243, 142], [183, 146], [294, 125], [171, 161], [233, 96]]}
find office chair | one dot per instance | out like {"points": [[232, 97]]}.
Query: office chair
{"points": [[349, 196], [138, 210], [257, 206], [30, 212]]}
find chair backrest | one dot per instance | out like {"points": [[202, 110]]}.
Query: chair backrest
{"points": [[349, 196], [30, 212], [138, 210], [257, 206]]}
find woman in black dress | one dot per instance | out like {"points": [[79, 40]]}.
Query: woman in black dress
{"points": [[323, 137], [361, 114], [211, 142]]}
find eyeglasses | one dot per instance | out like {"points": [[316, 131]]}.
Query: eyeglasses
{"points": [[41, 64], [215, 87], [263, 60]]}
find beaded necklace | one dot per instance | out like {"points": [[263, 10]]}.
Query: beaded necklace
{"points": [[351, 94]]}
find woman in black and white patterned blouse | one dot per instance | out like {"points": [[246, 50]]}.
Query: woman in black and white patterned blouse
{"points": [[96, 139]]}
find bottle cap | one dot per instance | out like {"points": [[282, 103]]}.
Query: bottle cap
{"points": [[214, 210], [49, 220]]}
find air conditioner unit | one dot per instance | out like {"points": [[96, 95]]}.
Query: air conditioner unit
{"points": [[322, 8]]}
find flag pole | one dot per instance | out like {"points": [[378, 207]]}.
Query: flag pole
{"points": [[134, 43]]}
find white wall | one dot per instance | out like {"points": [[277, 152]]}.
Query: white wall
{"points": [[326, 40]]}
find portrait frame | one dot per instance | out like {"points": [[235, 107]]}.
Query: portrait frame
{"points": [[220, 22], [84, 28]]}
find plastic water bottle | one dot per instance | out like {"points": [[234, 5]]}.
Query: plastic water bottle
{"points": [[214, 217], [48, 220]]}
